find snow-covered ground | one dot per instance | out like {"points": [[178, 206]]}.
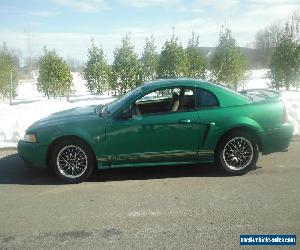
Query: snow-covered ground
{"points": [[257, 79], [30, 106]]}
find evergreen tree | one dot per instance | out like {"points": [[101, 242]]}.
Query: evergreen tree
{"points": [[285, 62], [228, 65], [149, 61], [55, 79], [96, 71], [195, 59], [172, 61], [126, 67], [7, 67]]}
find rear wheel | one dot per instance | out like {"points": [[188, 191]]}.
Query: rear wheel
{"points": [[72, 161], [237, 153]]}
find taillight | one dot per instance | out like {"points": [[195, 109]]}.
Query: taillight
{"points": [[284, 115]]}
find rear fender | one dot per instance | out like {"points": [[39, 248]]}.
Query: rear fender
{"points": [[218, 129]]}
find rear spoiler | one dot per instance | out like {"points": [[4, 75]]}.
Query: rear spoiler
{"points": [[260, 95]]}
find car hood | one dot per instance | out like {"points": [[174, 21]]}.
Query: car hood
{"points": [[66, 116], [80, 111]]}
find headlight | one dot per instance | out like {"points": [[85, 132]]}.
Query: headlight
{"points": [[30, 138]]}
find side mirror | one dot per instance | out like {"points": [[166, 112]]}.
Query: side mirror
{"points": [[126, 113]]}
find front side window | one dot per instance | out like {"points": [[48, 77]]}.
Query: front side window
{"points": [[206, 99], [176, 99]]}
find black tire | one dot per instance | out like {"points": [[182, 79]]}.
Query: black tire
{"points": [[231, 162], [72, 170]]}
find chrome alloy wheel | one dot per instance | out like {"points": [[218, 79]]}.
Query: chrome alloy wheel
{"points": [[237, 153], [72, 161]]}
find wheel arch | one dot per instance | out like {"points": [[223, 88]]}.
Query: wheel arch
{"points": [[66, 137], [244, 128]]}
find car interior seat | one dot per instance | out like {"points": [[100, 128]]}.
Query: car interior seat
{"points": [[175, 102]]}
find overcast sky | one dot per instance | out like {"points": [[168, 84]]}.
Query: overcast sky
{"points": [[69, 25]]}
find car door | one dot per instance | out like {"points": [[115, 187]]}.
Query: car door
{"points": [[209, 114], [154, 137]]}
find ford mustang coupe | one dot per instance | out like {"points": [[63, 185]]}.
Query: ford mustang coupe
{"points": [[165, 122]]}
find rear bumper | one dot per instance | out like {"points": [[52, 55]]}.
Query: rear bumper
{"points": [[277, 139], [33, 154]]}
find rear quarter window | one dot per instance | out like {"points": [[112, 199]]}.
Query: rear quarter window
{"points": [[206, 99]]}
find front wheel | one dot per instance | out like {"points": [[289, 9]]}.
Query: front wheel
{"points": [[72, 161], [237, 153]]}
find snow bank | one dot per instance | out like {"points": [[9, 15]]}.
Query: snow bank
{"points": [[16, 118], [30, 105], [292, 102]]}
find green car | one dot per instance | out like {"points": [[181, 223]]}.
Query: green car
{"points": [[165, 122]]}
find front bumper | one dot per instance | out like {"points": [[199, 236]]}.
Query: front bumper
{"points": [[33, 154], [277, 139]]}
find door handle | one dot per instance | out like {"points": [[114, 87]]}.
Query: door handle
{"points": [[184, 120]]}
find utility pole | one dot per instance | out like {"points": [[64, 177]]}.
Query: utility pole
{"points": [[11, 88], [29, 49]]}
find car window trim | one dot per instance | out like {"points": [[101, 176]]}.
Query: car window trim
{"points": [[164, 113]]}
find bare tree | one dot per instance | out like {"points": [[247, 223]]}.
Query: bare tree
{"points": [[292, 27], [266, 40]]}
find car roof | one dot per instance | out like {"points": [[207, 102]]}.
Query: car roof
{"points": [[226, 96], [178, 81]]}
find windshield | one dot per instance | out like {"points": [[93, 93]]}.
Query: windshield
{"points": [[121, 101]]}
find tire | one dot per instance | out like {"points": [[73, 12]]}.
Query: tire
{"points": [[72, 161], [237, 153]]}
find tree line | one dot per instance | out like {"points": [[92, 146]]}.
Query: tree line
{"points": [[278, 49], [127, 70]]}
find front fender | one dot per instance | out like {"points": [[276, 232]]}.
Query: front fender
{"points": [[92, 134]]}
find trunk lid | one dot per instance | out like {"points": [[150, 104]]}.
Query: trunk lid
{"points": [[261, 95]]}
